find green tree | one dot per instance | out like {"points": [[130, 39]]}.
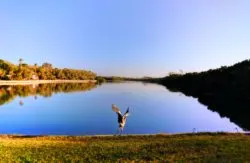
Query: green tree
{"points": [[2, 73]]}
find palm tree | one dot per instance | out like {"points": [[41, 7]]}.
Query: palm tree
{"points": [[20, 61], [35, 65]]}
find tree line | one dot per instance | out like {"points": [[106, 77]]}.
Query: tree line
{"points": [[46, 71], [225, 90]]}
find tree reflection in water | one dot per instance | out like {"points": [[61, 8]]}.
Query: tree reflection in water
{"points": [[9, 93]]}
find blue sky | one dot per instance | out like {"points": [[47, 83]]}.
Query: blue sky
{"points": [[126, 37]]}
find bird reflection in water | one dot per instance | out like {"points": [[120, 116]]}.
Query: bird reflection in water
{"points": [[21, 103]]}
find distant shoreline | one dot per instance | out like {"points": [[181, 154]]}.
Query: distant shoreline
{"points": [[30, 82]]}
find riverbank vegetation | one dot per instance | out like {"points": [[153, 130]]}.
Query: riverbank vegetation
{"points": [[112, 78], [225, 90], [205, 147], [46, 71]]}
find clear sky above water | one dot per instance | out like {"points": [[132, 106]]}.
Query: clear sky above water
{"points": [[126, 37]]}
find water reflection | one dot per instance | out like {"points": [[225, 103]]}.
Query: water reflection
{"points": [[21, 103], [9, 93], [153, 110], [236, 109]]}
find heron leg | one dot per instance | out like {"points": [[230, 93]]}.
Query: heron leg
{"points": [[121, 130], [117, 132]]}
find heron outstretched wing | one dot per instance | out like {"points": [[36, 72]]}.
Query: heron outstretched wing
{"points": [[126, 113], [116, 109]]}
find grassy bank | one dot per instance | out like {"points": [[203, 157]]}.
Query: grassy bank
{"points": [[192, 147]]}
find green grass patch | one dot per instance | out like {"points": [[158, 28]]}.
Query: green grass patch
{"points": [[204, 147]]}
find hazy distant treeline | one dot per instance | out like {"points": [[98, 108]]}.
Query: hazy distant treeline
{"points": [[119, 78], [46, 71]]}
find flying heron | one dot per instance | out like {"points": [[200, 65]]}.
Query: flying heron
{"points": [[121, 118]]}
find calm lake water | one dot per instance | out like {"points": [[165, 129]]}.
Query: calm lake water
{"points": [[85, 109]]}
